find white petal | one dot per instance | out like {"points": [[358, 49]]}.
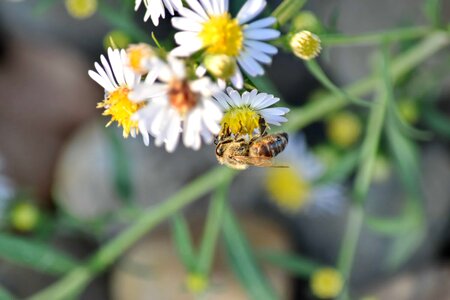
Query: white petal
{"points": [[178, 67], [276, 111], [127, 72], [185, 24], [223, 100], [146, 91], [188, 38], [103, 74], [212, 109], [193, 4], [101, 81], [107, 68], [266, 22], [264, 47], [249, 65], [157, 124], [191, 127], [185, 12], [186, 50], [237, 79], [137, 4], [176, 4], [261, 34], [236, 98], [208, 6], [259, 56], [268, 101], [168, 5], [116, 64], [250, 10], [173, 131], [258, 99]]}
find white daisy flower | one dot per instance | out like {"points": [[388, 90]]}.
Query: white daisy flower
{"points": [[177, 104], [157, 8], [118, 80], [208, 25], [243, 113], [293, 189]]}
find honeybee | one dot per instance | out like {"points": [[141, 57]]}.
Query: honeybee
{"points": [[259, 151]]}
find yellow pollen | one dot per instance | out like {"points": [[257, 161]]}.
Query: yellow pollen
{"points": [[287, 188], [240, 121], [121, 109], [222, 35]]}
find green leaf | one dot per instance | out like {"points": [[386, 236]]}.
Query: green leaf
{"points": [[243, 261], [287, 10], [404, 247], [182, 241], [439, 122], [35, 255], [294, 264]]}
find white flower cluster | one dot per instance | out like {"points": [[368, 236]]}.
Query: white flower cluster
{"points": [[180, 93]]}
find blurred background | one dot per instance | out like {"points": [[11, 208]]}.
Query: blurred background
{"points": [[69, 183]]}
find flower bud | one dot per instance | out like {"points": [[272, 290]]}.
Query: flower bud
{"points": [[116, 39], [343, 129], [305, 45], [220, 66], [196, 283], [326, 283], [306, 20]]}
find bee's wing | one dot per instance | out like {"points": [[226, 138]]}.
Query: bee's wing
{"points": [[257, 161]]}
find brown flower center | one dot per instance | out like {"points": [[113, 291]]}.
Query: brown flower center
{"points": [[181, 96]]}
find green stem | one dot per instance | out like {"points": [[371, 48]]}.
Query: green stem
{"points": [[212, 229], [80, 276], [287, 10], [375, 37], [362, 182], [315, 69], [404, 63]]}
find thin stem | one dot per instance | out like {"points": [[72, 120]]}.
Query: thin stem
{"points": [[212, 229], [375, 37], [362, 182], [153, 216], [287, 10]]}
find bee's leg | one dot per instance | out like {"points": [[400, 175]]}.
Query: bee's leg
{"points": [[262, 126]]}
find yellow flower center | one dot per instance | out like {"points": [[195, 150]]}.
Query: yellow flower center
{"points": [[240, 121], [121, 109], [326, 283], [81, 9], [287, 188], [222, 35]]}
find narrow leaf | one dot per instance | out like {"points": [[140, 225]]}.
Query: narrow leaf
{"points": [[287, 10], [35, 255], [182, 241], [243, 261]]}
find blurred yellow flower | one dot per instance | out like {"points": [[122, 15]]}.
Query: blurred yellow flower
{"points": [[196, 283], [288, 189], [326, 283], [116, 39], [24, 217], [305, 45], [408, 110], [343, 129], [81, 9]]}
